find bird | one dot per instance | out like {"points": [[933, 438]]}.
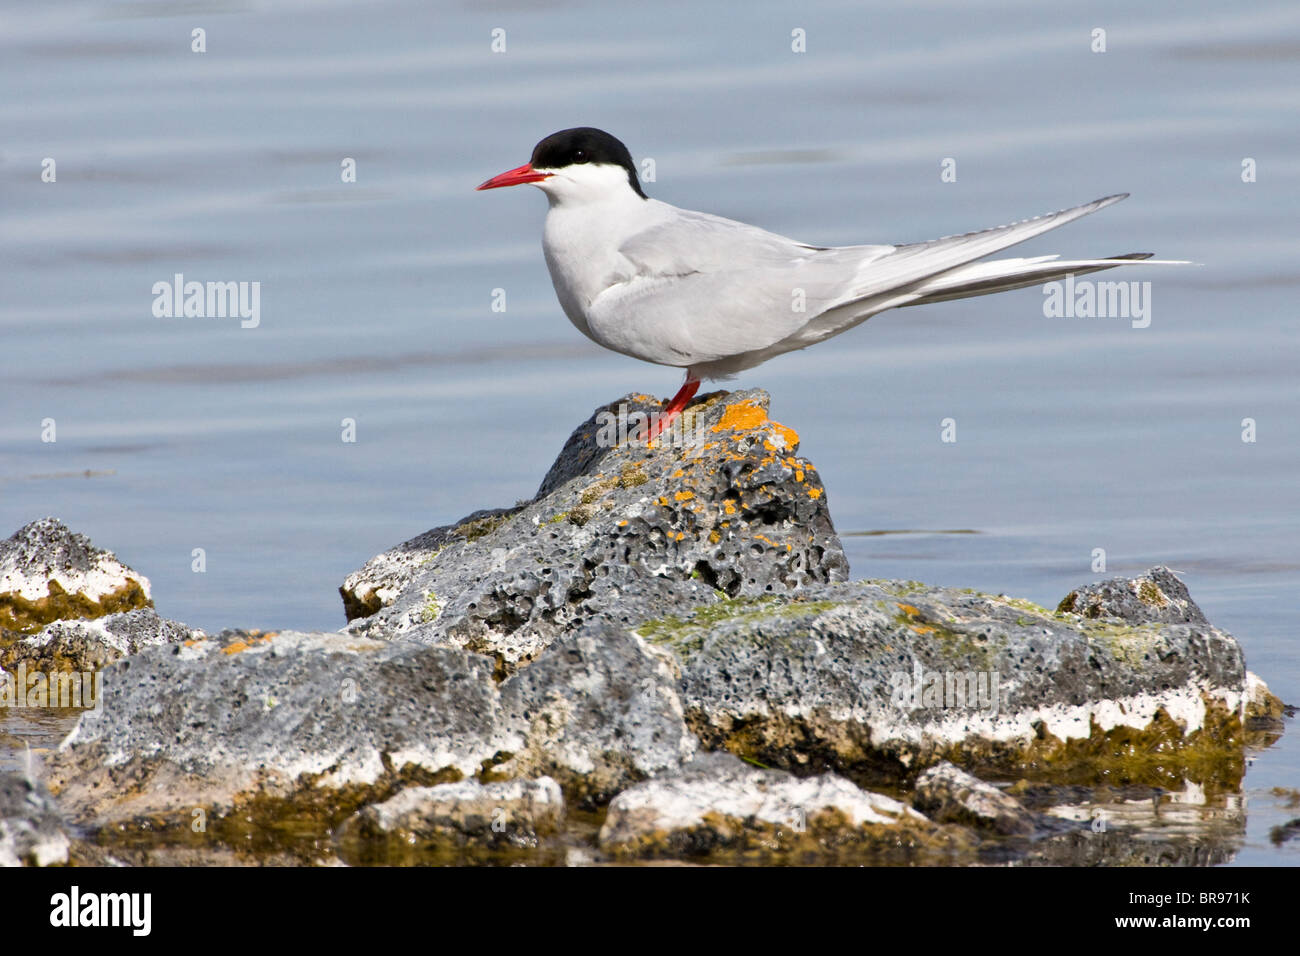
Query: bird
{"points": [[714, 296]]}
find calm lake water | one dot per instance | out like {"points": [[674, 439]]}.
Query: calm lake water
{"points": [[1072, 433]]}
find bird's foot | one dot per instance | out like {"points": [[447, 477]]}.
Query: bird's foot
{"points": [[674, 408]]}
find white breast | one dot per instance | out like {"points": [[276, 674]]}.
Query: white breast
{"points": [[581, 243]]}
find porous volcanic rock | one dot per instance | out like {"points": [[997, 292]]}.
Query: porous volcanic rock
{"points": [[883, 678], [619, 532], [948, 794], [48, 573]]}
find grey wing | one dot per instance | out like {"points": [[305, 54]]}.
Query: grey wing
{"points": [[701, 288]]}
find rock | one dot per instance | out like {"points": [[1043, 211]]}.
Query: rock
{"points": [[618, 533], [31, 830], [291, 723], [1157, 597], [880, 678], [94, 644], [510, 813], [378, 583], [949, 795], [1262, 708], [47, 573], [717, 803], [314, 726], [600, 713], [1287, 831]]}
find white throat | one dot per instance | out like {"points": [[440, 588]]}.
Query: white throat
{"points": [[587, 183]]}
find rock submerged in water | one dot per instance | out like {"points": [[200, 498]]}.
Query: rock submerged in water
{"points": [[665, 634], [717, 805], [506, 814], [949, 794]]}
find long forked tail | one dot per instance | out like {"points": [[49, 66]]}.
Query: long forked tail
{"points": [[924, 272], [1002, 275]]}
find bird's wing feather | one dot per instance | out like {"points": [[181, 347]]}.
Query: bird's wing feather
{"points": [[756, 288], [691, 242]]}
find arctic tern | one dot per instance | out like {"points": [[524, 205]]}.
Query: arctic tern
{"points": [[714, 296]]}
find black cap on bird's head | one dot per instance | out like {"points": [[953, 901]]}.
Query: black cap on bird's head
{"points": [[571, 147]]}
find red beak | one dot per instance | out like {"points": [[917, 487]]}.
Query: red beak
{"points": [[513, 177]]}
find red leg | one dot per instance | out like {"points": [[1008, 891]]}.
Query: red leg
{"points": [[674, 407]]}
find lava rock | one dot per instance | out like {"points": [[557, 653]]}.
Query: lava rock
{"points": [[600, 713], [883, 677], [48, 573], [507, 813], [322, 724], [94, 644], [619, 532], [1157, 597], [949, 795], [652, 603], [328, 721], [717, 803]]}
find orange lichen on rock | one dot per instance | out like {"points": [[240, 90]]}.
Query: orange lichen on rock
{"points": [[240, 646], [746, 416]]}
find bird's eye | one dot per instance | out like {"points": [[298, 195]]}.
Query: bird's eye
{"points": [[580, 156]]}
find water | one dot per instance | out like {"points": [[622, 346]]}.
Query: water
{"points": [[1073, 434]]}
